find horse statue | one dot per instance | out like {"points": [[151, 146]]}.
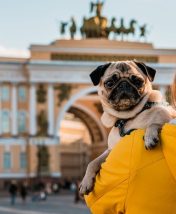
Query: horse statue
{"points": [[112, 27], [73, 28], [131, 29], [143, 31], [121, 30], [62, 27], [83, 28]]}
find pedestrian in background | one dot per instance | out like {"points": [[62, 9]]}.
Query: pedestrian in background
{"points": [[77, 195], [23, 192], [55, 188], [13, 192]]}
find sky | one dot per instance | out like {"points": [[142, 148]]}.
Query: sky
{"points": [[26, 22]]}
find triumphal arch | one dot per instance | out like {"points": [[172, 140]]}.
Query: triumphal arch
{"points": [[49, 110]]}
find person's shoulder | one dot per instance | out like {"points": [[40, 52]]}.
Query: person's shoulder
{"points": [[168, 142], [169, 129], [128, 147]]}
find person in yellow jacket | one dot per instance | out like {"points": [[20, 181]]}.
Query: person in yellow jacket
{"points": [[134, 180]]}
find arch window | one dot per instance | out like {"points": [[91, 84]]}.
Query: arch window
{"points": [[7, 160], [21, 121], [5, 121], [23, 160], [22, 93], [5, 93]]}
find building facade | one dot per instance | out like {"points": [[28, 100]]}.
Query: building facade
{"points": [[50, 112]]}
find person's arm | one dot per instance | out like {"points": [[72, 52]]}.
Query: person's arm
{"points": [[93, 168], [168, 138], [114, 191], [112, 180]]}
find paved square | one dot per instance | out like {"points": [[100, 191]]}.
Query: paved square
{"points": [[61, 204]]}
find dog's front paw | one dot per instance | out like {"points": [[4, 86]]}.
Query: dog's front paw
{"points": [[86, 185], [151, 139], [151, 143]]}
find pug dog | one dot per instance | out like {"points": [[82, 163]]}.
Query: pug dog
{"points": [[129, 103]]}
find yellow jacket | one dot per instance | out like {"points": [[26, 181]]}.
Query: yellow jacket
{"points": [[134, 180]]}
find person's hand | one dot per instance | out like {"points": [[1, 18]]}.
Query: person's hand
{"points": [[173, 121]]}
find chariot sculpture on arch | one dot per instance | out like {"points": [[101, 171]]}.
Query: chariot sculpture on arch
{"points": [[98, 26]]}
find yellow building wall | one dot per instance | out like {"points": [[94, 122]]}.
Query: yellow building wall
{"points": [[167, 59]]}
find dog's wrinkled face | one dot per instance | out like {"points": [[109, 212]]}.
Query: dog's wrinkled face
{"points": [[123, 85]]}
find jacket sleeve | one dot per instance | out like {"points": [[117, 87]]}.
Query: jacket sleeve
{"points": [[112, 181], [112, 193], [168, 139]]}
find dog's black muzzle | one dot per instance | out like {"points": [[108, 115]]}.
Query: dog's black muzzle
{"points": [[124, 90]]}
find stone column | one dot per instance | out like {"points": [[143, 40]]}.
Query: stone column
{"points": [[32, 110], [163, 90], [14, 110], [0, 109], [50, 99]]}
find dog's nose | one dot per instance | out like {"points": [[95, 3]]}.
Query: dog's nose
{"points": [[124, 85]]}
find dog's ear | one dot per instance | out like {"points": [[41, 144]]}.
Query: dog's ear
{"points": [[98, 73], [148, 71]]}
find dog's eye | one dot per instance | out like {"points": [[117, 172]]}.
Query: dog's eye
{"points": [[137, 81], [109, 84], [115, 78]]}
